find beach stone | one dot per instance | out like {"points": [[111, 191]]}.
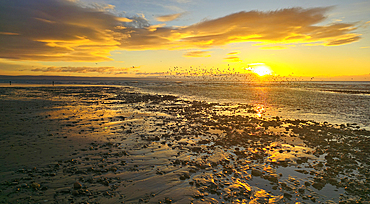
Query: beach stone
{"points": [[318, 185], [35, 185], [256, 172], [196, 149], [185, 176], [167, 200], [272, 177], [302, 189], [288, 196], [77, 185]]}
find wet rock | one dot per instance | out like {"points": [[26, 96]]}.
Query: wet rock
{"points": [[288, 196], [272, 177], [238, 188], [332, 181], [77, 185], [318, 185], [205, 179], [196, 149], [256, 172], [301, 189], [167, 200], [35, 186], [185, 176]]}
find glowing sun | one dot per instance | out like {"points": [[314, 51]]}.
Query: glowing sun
{"points": [[262, 70]]}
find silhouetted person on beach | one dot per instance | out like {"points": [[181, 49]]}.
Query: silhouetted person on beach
{"points": [[10, 82]]}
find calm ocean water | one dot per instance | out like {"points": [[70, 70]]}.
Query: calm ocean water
{"points": [[333, 102]]}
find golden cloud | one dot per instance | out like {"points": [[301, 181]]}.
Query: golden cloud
{"points": [[233, 59], [285, 27], [81, 69], [197, 54], [170, 17], [233, 53], [64, 31]]}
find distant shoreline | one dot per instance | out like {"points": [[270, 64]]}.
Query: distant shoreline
{"points": [[6, 78]]}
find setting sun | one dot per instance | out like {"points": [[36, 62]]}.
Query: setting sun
{"points": [[259, 68], [262, 70]]}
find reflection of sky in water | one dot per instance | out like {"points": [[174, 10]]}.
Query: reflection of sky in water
{"points": [[332, 102]]}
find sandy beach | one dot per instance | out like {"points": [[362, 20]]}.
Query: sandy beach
{"points": [[112, 144]]}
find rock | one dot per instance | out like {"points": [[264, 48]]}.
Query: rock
{"points": [[35, 185], [77, 185], [196, 149], [318, 185], [167, 200], [185, 176], [302, 189], [256, 172], [288, 196], [272, 177]]}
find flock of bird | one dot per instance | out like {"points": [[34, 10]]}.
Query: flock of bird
{"points": [[228, 74]]}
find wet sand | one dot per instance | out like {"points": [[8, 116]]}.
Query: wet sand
{"points": [[99, 144]]}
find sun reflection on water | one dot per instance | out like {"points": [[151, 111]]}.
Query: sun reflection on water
{"points": [[260, 110]]}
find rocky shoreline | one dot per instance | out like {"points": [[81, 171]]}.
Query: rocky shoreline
{"points": [[107, 144]]}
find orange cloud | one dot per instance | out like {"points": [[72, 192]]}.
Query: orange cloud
{"points": [[285, 27], [197, 54], [64, 31], [84, 69], [233, 53], [51, 30], [233, 59]]}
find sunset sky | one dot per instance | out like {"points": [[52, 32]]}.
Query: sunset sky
{"points": [[145, 37]]}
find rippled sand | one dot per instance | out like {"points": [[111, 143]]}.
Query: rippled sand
{"points": [[101, 144]]}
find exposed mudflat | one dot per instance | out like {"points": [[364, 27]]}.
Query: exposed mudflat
{"points": [[97, 144]]}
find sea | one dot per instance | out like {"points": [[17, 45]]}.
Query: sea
{"points": [[336, 102]]}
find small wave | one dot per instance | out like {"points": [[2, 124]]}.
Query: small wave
{"points": [[349, 91]]}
